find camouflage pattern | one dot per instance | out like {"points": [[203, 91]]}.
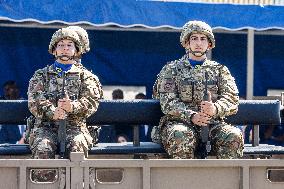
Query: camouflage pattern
{"points": [[180, 89], [179, 140], [65, 33], [84, 38], [155, 135], [83, 88], [44, 175], [196, 27]]}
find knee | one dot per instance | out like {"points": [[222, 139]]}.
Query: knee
{"points": [[179, 133], [180, 142], [44, 150], [236, 138], [77, 144], [231, 146], [229, 135], [74, 146]]}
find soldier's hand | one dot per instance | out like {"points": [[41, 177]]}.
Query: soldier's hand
{"points": [[59, 113], [208, 107], [65, 104], [200, 119]]}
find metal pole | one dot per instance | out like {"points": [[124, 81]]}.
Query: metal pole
{"points": [[136, 137], [250, 64], [255, 135]]}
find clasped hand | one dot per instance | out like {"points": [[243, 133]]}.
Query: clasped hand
{"points": [[64, 107], [207, 111]]}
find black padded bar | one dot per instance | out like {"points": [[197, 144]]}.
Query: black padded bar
{"points": [[129, 148], [256, 112], [127, 112], [150, 147], [133, 112], [15, 149], [126, 148], [109, 112], [14, 111]]}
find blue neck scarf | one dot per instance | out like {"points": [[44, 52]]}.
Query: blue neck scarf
{"points": [[196, 62], [60, 68]]}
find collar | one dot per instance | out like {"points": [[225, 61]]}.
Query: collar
{"points": [[196, 62], [74, 69], [59, 67]]}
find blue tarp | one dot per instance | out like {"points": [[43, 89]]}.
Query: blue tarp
{"points": [[135, 57], [146, 13]]}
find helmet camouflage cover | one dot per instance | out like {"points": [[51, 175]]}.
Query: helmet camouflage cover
{"points": [[84, 38], [196, 27], [65, 33]]}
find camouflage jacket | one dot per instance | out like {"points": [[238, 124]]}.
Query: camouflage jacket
{"points": [[180, 88], [82, 87]]}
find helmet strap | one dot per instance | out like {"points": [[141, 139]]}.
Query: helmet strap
{"points": [[197, 53], [65, 58]]}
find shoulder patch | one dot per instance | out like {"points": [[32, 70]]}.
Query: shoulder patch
{"points": [[167, 86]]}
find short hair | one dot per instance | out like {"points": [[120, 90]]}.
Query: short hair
{"points": [[117, 94], [122, 135], [140, 96], [9, 83]]}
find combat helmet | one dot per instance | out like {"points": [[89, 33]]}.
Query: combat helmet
{"points": [[65, 33], [84, 38], [196, 27]]}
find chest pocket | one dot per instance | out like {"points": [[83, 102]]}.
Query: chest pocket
{"points": [[73, 85], [213, 89], [186, 90], [51, 89], [51, 82]]}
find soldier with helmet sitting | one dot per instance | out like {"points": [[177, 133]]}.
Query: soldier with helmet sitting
{"points": [[181, 86], [81, 98]]}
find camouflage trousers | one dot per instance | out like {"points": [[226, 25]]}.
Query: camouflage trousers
{"points": [[181, 140], [43, 141]]}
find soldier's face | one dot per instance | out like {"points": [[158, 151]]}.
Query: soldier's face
{"points": [[198, 43], [65, 50]]}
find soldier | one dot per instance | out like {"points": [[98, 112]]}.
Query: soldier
{"points": [[82, 93], [180, 88]]}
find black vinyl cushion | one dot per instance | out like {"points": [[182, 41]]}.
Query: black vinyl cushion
{"points": [[131, 112], [128, 148]]}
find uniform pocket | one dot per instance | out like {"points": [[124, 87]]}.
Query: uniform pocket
{"points": [[186, 90], [213, 89], [73, 85]]}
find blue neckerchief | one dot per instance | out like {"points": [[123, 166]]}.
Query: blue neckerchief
{"points": [[60, 68], [196, 62]]}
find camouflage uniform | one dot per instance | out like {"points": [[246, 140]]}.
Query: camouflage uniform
{"points": [[180, 89], [82, 87]]}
